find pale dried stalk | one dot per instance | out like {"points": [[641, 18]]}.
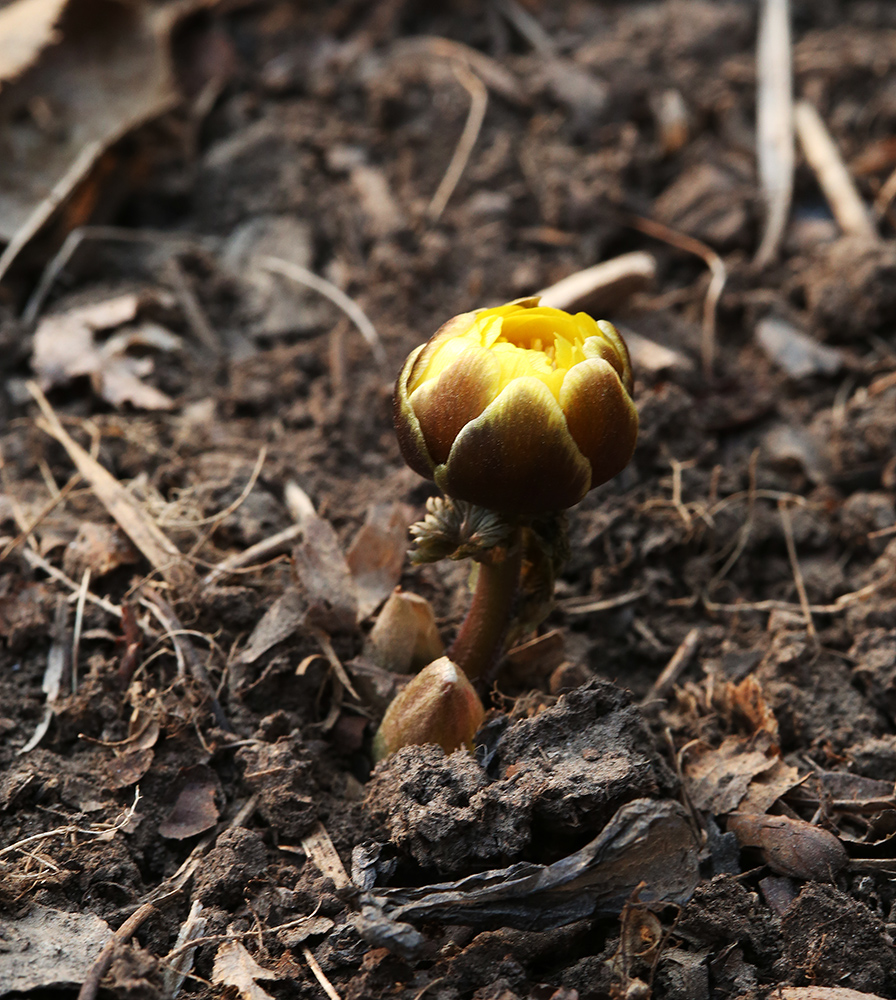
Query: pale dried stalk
{"points": [[774, 126], [476, 115], [302, 276], [162, 554], [833, 176]]}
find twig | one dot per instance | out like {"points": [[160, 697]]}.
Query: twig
{"points": [[572, 607], [795, 569], [192, 310], [604, 286], [476, 115], [42, 212], [675, 667], [185, 650], [718, 277], [36, 560], [528, 27], [774, 127], [122, 506], [79, 624], [257, 553], [84, 234], [302, 276], [319, 848], [833, 176], [325, 983], [101, 966]]}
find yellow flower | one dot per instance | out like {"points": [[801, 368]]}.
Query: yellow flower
{"points": [[522, 408]]}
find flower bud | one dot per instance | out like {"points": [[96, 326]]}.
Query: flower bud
{"points": [[438, 706], [404, 636], [522, 409]]}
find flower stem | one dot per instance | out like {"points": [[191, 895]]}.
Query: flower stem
{"points": [[480, 639]]}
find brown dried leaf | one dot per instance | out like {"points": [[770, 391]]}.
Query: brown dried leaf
{"points": [[100, 548], [65, 347], [282, 619], [791, 846], [108, 72], [129, 768], [26, 29], [377, 554], [234, 966], [322, 570], [194, 810], [719, 780], [49, 948]]}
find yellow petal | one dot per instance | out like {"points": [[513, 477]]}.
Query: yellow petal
{"points": [[601, 417], [518, 455]]}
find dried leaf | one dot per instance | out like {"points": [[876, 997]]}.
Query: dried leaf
{"points": [[647, 841], [49, 949], [65, 347], [194, 810], [322, 570], [719, 780], [377, 554], [26, 29], [101, 548], [108, 72], [234, 966], [282, 619], [791, 846], [129, 768]]}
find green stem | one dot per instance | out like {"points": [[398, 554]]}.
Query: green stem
{"points": [[480, 639]]}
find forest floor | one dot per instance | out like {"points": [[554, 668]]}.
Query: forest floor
{"points": [[185, 746]]}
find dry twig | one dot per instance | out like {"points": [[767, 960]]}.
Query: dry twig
{"points": [[784, 510], [718, 277], [476, 115], [833, 176], [302, 276], [162, 554], [774, 128]]}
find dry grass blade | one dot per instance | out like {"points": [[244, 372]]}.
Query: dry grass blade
{"points": [[774, 127], [833, 176], [302, 276], [673, 669], [476, 115], [325, 983], [319, 848], [795, 568], [162, 554], [604, 286], [718, 278]]}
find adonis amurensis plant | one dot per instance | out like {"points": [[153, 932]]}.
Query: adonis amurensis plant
{"points": [[515, 413]]}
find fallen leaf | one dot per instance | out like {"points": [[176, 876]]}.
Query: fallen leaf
{"points": [[234, 966], [377, 554], [322, 570], [194, 810], [281, 620], [101, 548], [719, 779], [108, 72], [791, 846], [66, 347], [49, 949], [27, 27]]}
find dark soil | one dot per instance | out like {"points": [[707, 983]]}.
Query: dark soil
{"points": [[754, 531]]}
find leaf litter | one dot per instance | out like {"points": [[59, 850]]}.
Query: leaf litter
{"points": [[217, 654]]}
